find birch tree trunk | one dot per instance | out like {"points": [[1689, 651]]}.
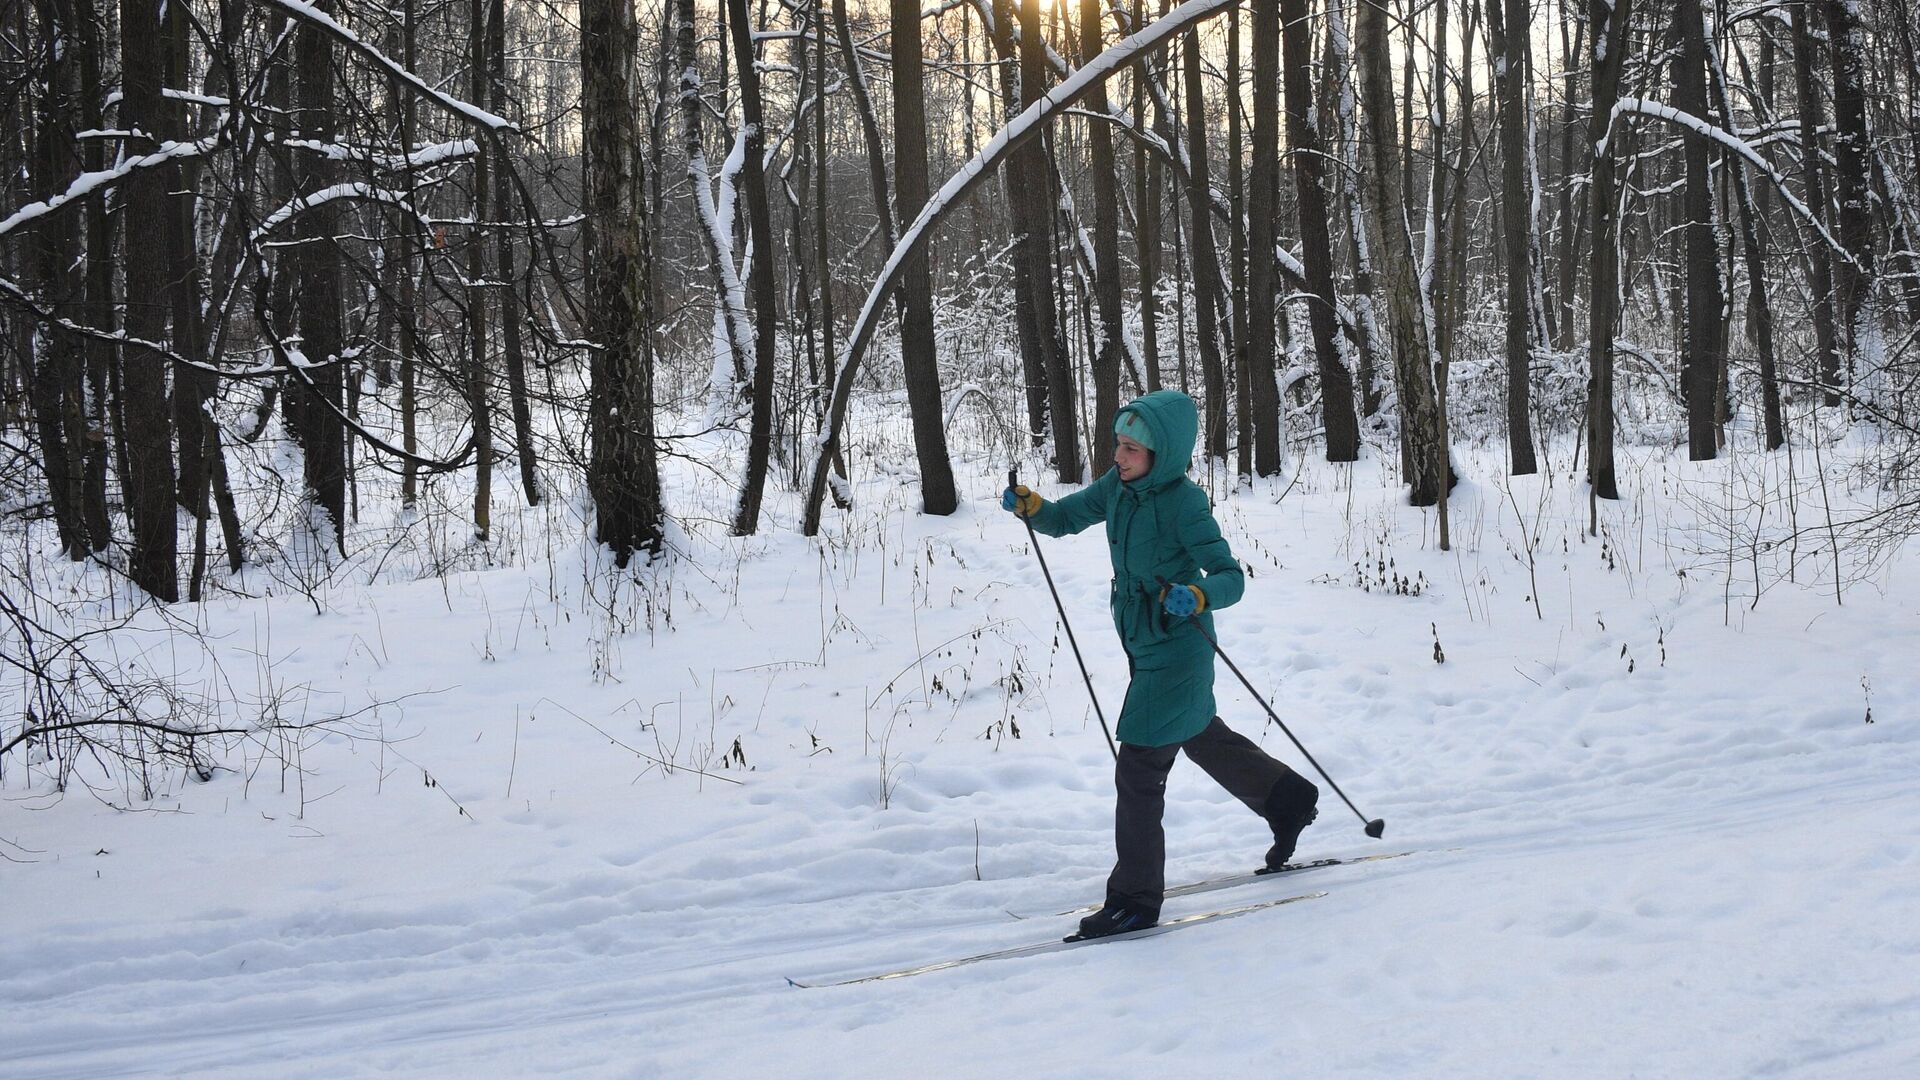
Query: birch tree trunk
{"points": [[623, 471]]}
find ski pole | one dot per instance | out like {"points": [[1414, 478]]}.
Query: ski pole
{"points": [[1374, 828], [1013, 480]]}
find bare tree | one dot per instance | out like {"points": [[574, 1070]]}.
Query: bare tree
{"points": [[1316, 246], [1610, 20], [1421, 431], [149, 481], [1511, 31]]}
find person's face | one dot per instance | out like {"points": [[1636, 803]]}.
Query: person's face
{"points": [[1132, 459]]}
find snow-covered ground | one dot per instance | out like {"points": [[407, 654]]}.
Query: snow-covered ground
{"points": [[581, 829]]}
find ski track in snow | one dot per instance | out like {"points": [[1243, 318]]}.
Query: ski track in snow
{"points": [[1704, 867]]}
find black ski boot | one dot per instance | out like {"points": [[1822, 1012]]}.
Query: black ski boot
{"points": [[1115, 919], [1289, 809]]}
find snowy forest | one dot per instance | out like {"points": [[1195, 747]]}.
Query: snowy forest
{"points": [[633, 385]]}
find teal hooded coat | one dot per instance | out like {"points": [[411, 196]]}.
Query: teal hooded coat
{"points": [[1159, 526]]}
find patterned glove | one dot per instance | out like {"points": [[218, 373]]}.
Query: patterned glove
{"points": [[1184, 600], [1021, 500]]}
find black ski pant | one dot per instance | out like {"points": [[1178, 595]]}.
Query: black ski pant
{"points": [[1140, 784]]}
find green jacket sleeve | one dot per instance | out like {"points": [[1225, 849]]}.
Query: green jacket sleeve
{"points": [[1200, 535], [1078, 511]]}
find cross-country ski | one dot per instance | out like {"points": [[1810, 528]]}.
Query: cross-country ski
{"points": [[1072, 941]]}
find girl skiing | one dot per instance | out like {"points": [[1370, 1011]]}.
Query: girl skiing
{"points": [[1160, 530]]}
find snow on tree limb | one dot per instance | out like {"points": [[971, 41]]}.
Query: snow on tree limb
{"points": [[1645, 107], [87, 183], [307, 12], [1017, 132]]}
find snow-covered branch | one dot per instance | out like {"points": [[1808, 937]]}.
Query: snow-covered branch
{"points": [[1644, 107]]}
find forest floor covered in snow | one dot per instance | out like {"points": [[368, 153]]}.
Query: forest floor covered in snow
{"points": [[1661, 801]]}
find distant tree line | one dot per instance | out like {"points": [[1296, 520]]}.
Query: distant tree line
{"points": [[499, 239]]}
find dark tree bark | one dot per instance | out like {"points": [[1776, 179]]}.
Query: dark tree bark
{"points": [[1852, 152], [56, 383], [1316, 245], [731, 321], [149, 480], [753, 187], [1110, 333], [512, 349], [101, 356], [409, 302], [1420, 425], [623, 471], [1204, 258], [1610, 21], [478, 376], [1027, 313], [1759, 309], [1510, 31], [1146, 196], [1704, 353], [1263, 397], [1237, 228], [1034, 190], [918, 356], [869, 125], [1813, 173]]}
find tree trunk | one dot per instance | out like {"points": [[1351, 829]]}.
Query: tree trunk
{"points": [[1237, 252], [1703, 354], [753, 182], [1110, 332], [730, 321], [56, 383], [1263, 396], [1027, 316], [149, 480], [1203, 258], [1610, 20], [512, 348], [101, 356], [1316, 246], [1146, 235], [409, 303], [1510, 34], [1852, 151], [917, 353], [1035, 188], [1420, 428], [1813, 172], [869, 125], [622, 472], [478, 377], [1759, 311]]}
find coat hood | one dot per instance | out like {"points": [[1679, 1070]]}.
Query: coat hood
{"points": [[1174, 422]]}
